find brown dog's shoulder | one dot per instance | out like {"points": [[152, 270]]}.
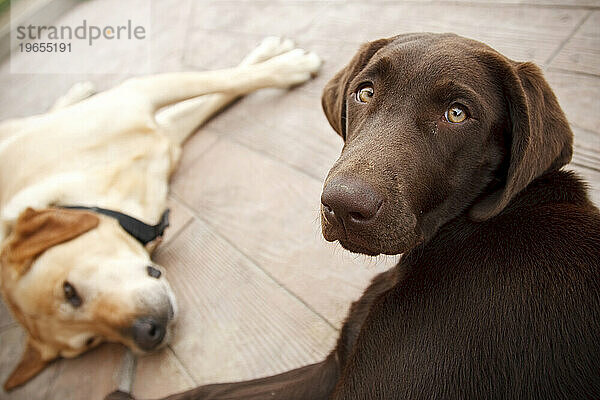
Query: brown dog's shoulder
{"points": [[552, 193]]}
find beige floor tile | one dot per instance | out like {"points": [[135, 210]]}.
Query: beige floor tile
{"points": [[169, 33], [214, 49], [236, 322], [519, 32], [586, 160], [90, 376], [287, 125], [270, 212], [578, 95], [335, 56], [159, 375], [260, 18], [582, 52], [179, 217], [6, 318], [559, 3], [587, 149], [12, 341]]}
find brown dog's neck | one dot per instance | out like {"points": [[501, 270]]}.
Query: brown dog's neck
{"points": [[558, 186], [553, 187]]}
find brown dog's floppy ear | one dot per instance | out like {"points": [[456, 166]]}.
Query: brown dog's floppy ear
{"points": [[36, 231], [334, 94], [541, 139], [30, 365]]}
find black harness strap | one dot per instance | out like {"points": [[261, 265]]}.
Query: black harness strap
{"points": [[143, 232]]}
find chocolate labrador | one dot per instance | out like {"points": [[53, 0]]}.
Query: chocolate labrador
{"points": [[453, 157]]}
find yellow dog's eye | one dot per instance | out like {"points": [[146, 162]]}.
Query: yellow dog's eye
{"points": [[456, 114], [71, 294], [364, 94]]}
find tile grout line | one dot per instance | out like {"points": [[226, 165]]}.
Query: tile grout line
{"points": [[175, 198], [587, 130], [277, 159], [175, 235], [584, 166], [256, 264], [55, 376], [182, 365], [192, 9], [12, 325], [229, 136], [572, 72], [567, 39]]}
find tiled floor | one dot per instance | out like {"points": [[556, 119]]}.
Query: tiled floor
{"points": [[260, 291]]}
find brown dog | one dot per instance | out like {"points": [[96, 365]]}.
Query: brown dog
{"points": [[452, 156]]}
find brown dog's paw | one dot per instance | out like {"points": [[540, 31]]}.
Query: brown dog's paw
{"points": [[118, 395]]}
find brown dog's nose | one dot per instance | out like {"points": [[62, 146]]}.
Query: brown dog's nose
{"points": [[148, 332], [350, 201]]}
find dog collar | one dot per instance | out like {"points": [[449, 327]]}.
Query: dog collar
{"points": [[143, 232]]}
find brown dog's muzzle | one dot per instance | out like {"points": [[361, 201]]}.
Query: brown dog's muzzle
{"points": [[350, 203], [351, 208], [362, 217]]}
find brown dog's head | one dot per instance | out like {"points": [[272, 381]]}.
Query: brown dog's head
{"points": [[434, 125], [74, 279]]}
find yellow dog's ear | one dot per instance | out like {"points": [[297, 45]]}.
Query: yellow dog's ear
{"points": [[31, 364], [38, 230]]}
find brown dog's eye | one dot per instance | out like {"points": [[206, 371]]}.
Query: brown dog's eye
{"points": [[455, 114], [364, 93], [71, 295]]}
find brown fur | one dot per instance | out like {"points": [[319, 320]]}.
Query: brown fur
{"points": [[497, 294]]}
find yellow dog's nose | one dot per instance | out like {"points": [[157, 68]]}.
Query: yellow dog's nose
{"points": [[148, 332]]}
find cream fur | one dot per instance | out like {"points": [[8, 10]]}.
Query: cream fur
{"points": [[112, 150]]}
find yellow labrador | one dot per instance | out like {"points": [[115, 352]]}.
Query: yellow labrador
{"points": [[82, 196]]}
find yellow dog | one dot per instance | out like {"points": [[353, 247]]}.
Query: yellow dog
{"points": [[83, 191]]}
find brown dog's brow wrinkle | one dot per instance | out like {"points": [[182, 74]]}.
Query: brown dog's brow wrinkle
{"points": [[379, 68], [382, 66], [449, 90]]}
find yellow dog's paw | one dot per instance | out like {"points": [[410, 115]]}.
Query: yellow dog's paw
{"points": [[294, 67], [270, 47]]}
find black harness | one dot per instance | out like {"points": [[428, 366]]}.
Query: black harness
{"points": [[143, 232]]}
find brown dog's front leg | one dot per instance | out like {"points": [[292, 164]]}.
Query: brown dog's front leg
{"points": [[312, 382]]}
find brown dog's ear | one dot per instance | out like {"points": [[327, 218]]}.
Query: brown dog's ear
{"points": [[541, 139], [334, 94], [36, 231], [30, 365]]}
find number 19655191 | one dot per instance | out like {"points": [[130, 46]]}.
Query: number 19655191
{"points": [[45, 47]]}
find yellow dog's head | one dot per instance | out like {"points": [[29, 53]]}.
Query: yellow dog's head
{"points": [[75, 279]]}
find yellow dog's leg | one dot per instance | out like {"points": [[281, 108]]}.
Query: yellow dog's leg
{"points": [[182, 119]]}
